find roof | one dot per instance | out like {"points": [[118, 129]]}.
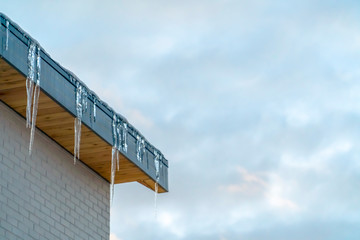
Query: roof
{"points": [[57, 112]]}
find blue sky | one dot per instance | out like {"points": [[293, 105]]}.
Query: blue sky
{"points": [[256, 105]]}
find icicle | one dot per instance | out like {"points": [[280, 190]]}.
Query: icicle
{"points": [[75, 138], [138, 139], [115, 132], [77, 122], [29, 93], [123, 137], [94, 110], [30, 82], [113, 169], [7, 36], [140, 148], [117, 160], [81, 107], [77, 126], [34, 114], [114, 155], [84, 100], [118, 144], [121, 131], [38, 66], [118, 134], [157, 160], [36, 99]]}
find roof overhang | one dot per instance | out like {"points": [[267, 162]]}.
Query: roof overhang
{"points": [[57, 111]]}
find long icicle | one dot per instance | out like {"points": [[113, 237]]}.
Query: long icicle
{"points": [[81, 103], [30, 82], [36, 99], [34, 113], [77, 126], [75, 138], [78, 137], [113, 169], [114, 156], [29, 93], [81, 106]]}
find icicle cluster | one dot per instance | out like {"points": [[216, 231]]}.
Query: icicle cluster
{"points": [[119, 144], [32, 89], [119, 127], [7, 35], [81, 107], [140, 148]]}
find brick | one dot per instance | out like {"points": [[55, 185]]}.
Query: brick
{"points": [[6, 225], [45, 196], [10, 236]]}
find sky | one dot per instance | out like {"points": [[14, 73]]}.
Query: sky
{"points": [[256, 105]]}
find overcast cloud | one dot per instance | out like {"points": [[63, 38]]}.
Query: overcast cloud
{"points": [[256, 105]]}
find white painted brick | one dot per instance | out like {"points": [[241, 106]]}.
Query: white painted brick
{"points": [[2, 231], [45, 196]]}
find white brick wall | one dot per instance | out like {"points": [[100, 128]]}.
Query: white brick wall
{"points": [[46, 196]]}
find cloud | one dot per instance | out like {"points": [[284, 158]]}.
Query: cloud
{"points": [[298, 116], [114, 237], [169, 221], [319, 159], [249, 184], [280, 202], [255, 104], [275, 195]]}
